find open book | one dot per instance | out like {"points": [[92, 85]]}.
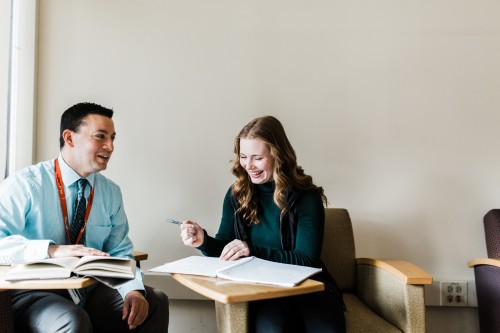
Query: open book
{"points": [[250, 269], [60, 268]]}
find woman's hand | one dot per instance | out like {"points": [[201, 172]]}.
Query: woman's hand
{"points": [[192, 234], [234, 250]]}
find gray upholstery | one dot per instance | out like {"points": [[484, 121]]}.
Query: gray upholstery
{"points": [[371, 322], [338, 251]]}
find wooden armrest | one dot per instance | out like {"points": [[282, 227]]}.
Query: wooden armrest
{"points": [[139, 255], [405, 271], [484, 261]]}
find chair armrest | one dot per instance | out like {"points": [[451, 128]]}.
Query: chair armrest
{"points": [[484, 261], [394, 289], [405, 271], [139, 256]]}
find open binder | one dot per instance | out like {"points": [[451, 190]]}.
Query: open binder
{"points": [[249, 269]]}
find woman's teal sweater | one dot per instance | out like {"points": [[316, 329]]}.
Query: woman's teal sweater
{"points": [[264, 238]]}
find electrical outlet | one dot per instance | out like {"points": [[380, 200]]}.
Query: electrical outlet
{"points": [[453, 293]]}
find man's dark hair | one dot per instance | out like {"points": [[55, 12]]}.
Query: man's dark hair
{"points": [[72, 118]]}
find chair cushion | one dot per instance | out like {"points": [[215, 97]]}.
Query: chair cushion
{"points": [[360, 319]]}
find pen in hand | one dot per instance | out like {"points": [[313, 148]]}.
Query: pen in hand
{"points": [[174, 221]]}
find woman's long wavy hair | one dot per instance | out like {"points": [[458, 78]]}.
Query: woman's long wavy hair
{"points": [[286, 173]]}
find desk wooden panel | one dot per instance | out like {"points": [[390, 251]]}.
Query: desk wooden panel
{"points": [[232, 298], [73, 283], [6, 323], [228, 292]]}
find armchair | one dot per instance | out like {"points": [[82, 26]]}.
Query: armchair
{"points": [[487, 275], [380, 295]]}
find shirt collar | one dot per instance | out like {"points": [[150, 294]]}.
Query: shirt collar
{"points": [[70, 176]]}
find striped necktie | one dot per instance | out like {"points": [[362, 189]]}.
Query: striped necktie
{"points": [[79, 210], [79, 213]]}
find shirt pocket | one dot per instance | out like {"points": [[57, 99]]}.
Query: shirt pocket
{"points": [[97, 235]]}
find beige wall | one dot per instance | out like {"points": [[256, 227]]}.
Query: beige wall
{"points": [[392, 107]]}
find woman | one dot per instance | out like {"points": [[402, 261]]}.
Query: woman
{"points": [[275, 212]]}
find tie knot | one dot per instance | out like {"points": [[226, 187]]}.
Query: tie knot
{"points": [[82, 183]]}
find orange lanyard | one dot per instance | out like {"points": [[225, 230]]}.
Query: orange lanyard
{"points": [[62, 198]]}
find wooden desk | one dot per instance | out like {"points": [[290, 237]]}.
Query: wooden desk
{"points": [[73, 283], [6, 324], [231, 298]]}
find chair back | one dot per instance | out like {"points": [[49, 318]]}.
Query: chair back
{"points": [[492, 233], [338, 252]]}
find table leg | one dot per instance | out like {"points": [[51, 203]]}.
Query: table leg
{"points": [[232, 318]]}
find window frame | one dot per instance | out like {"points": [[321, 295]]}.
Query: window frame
{"points": [[18, 87]]}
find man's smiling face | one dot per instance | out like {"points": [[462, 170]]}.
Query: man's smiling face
{"points": [[91, 147]]}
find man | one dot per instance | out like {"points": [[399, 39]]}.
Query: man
{"points": [[39, 207]]}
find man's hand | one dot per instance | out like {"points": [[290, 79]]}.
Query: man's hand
{"points": [[73, 251], [135, 309]]}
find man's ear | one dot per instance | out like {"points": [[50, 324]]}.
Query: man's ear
{"points": [[68, 138]]}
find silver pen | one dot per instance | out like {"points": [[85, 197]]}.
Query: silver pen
{"points": [[174, 221]]}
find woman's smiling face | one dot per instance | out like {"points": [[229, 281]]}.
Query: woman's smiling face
{"points": [[256, 159]]}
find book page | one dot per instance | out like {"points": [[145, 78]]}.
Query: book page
{"points": [[114, 267], [268, 272], [197, 265], [104, 259], [108, 266], [37, 271], [106, 273], [66, 262]]}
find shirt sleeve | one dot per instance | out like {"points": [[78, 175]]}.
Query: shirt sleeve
{"points": [[15, 204], [17, 249]]}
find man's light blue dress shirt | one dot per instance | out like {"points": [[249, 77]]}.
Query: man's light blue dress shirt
{"points": [[31, 217]]}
